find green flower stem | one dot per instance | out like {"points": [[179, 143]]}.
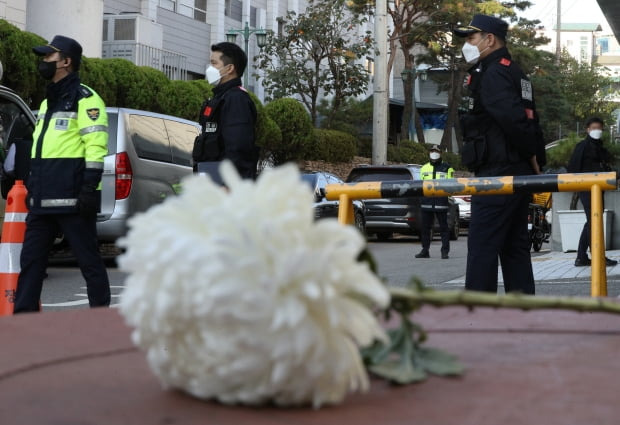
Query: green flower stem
{"points": [[417, 298]]}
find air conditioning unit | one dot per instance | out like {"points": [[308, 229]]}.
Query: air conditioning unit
{"points": [[133, 28]]}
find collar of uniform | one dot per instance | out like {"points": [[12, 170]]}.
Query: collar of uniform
{"points": [[495, 56], [63, 87], [221, 88]]}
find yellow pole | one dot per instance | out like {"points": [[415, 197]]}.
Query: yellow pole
{"points": [[597, 244], [345, 209]]}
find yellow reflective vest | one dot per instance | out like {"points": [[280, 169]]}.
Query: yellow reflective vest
{"points": [[70, 141], [430, 171]]}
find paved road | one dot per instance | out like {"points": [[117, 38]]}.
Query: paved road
{"points": [[64, 288]]}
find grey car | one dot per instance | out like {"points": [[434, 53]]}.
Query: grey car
{"points": [[148, 156]]}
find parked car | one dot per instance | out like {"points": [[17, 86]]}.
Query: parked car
{"points": [[384, 217], [148, 156], [464, 203], [317, 180]]}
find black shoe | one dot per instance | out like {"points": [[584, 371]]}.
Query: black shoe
{"points": [[582, 262], [422, 254], [444, 256], [609, 262]]}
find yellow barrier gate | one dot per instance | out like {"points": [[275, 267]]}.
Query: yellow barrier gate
{"points": [[596, 183]]}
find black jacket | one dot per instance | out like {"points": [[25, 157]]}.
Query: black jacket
{"points": [[502, 117], [228, 122], [589, 156]]}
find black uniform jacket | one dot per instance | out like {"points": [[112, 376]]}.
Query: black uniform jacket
{"points": [[502, 114], [228, 129], [589, 156]]}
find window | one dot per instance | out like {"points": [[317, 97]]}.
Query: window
{"points": [[125, 29], [233, 9], [196, 9], [150, 138], [603, 44], [105, 30], [181, 137], [280, 26], [253, 13]]}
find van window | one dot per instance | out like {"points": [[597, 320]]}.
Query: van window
{"points": [[150, 138], [181, 136], [14, 124]]}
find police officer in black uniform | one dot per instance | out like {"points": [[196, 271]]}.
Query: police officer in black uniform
{"points": [[502, 138], [228, 118], [589, 156]]}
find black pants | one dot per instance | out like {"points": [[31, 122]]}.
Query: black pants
{"points": [[499, 228], [428, 217], [81, 233], [584, 239]]}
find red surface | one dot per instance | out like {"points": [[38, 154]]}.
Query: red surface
{"points": [[79, 367]]}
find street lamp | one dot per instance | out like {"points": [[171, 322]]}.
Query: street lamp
{"points": [[405, 75], [261, 41]]}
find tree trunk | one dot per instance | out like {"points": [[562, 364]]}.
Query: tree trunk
{"points": [[419, 130]]}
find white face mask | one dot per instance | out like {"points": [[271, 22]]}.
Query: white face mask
{"points": [[471, 52], [213, 75], [435, 156], [596, 134]]}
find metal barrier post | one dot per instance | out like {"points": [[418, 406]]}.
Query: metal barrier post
{"points": [[345, 210], [579, 182], [597, 244]]}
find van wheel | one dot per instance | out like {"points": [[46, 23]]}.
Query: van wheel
{"points": [[359, 223]]}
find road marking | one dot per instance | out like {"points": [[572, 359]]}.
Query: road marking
{"points": [[67, 304]]}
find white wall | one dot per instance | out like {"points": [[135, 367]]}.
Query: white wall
{"points": [[78, 19], [14, 11]]}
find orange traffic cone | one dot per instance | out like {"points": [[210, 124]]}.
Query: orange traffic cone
{"points": [[13, 231]]}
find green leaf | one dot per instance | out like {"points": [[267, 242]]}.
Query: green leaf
{"points": [[438, 362], [399, 372]]}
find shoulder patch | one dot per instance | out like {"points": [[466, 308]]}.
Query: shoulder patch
{"points": [[505, 61], [93, 113], [85, 91]]}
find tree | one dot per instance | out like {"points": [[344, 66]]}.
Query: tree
{"points": [[318, 53], [20, 63], [296, 129]]}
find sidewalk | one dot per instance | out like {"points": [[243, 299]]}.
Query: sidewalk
{"points": [[557, 265]]}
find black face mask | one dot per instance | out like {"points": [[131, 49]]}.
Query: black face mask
{"points": [[47, 69]]}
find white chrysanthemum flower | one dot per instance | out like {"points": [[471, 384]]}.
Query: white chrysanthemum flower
{"points": [[241, 296]]}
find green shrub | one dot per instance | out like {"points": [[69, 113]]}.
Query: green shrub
{"points": [[143, 95], [296, 128], [96, 74], [332, 146], [268, 133], [408, 152], [180, 99], [20, 63], [454, 159], [559, 155], [364, 146]]}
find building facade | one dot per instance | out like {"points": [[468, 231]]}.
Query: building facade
{"points": [[173, 36]]}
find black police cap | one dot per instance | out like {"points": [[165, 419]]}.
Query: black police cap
{"points": [[484, 23], [60, 43]]}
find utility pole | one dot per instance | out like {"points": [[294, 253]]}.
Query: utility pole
{"points": [[558, 30], [380, 93]]}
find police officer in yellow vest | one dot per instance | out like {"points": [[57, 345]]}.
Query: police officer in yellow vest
{"points": [[435, 207], [70, 141]]}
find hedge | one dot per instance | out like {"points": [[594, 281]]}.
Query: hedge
{"points": [[332, 146], [296, 127]]}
